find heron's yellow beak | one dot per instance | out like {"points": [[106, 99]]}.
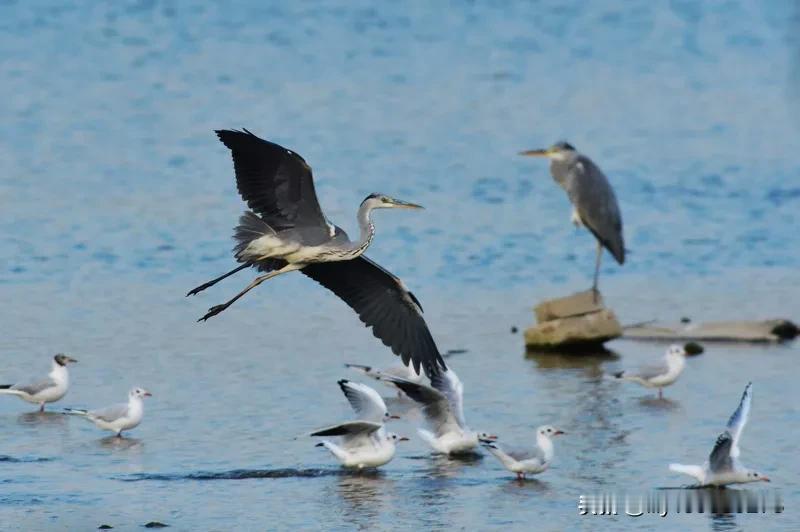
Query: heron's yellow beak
{"points": [[537, 153], [400, 204]]}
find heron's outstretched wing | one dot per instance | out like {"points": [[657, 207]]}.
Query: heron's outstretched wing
{"points": [[109, 413], [739, 418], [366, 402], [275, 182], [720, 458], [435, 405], [591, 194], [450, 385], [382, 302], [32, 388]]}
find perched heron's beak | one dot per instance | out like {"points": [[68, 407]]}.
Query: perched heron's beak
{"points": [[403, 438], [536, 153], [400, 204], [559, 433], [394, 417]]}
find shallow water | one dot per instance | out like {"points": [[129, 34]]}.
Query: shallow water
{"points": [[116, 199]]}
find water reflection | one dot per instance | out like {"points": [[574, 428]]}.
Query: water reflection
{"points": [[364, 495], [591, 360], [116, 443], [664, 404], [41, 418]]}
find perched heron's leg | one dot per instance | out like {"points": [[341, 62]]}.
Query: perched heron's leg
{"points": [[41, 407], [216, 309], [597, 270], [660, 394], [212, 282]]}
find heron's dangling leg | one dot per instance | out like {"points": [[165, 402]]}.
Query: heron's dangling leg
{"points": [[595, 291], [216, 309], [212, 282]]}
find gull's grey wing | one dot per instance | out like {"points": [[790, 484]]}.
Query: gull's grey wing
{"points": [[738, 420], [109, 413], [276, 183], [32, 388], [448, 383], [366, 402], [720, 458], [382, 302], [648, 371], [435, 405], [594, 199], [349, 429], [521, 455]]}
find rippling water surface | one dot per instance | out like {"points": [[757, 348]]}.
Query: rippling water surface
{"points": [[116, 199]]}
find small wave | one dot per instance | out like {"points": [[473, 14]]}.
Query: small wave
{"points": [[242, 474], [23, 460]]}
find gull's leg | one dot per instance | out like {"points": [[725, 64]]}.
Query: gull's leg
{"points": [[216, 309], [660, 394], [597, 270], [41, 407], [212, 282]]}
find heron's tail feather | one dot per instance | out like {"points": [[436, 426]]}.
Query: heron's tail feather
{"points": [[250, 227]]}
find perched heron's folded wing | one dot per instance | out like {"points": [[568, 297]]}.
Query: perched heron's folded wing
{"points": [[383, 303]]}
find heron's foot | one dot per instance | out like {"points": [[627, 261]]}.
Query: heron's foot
{"points": [[195, 291], [595, 295], [213, 311]]}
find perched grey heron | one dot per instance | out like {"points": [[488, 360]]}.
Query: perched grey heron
{"points": [[594, 204], [286, 231]]}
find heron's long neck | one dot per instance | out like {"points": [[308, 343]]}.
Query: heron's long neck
{"points": [[366, 227]]}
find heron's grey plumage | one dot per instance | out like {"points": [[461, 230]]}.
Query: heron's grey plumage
{"points": [[286, 231], [593, 197]]}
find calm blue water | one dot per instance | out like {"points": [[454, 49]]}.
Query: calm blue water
{"points": [[116, 198]]}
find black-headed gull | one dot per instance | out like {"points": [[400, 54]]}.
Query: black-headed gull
{"points": [[660, 374], [47, 390], [442, 403], [723, 466], [363, 443], [119, 417], [522, 461]]}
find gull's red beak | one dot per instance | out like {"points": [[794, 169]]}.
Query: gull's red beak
{"points": [[394, 417], [403, 438], [559, 432]]}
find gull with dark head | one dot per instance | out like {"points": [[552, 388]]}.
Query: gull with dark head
{"points": [[443, 406], [47, 390], [119, 417], [527, 461], [365, 442], [286, 230], [723, 466]]}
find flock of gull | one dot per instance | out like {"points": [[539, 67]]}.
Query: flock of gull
{"points": [[285, 230]]}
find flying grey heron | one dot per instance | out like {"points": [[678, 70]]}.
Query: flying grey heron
{"points": [[594, 204], [286, 231]]}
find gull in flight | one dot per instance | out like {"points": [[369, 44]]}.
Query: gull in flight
{"points": [[119, 417], [522, 461], [723, 466], [443, 407], [47, 390], [405, 372], [364, 443], [660, 374]]}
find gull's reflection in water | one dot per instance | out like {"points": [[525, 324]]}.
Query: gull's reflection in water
{"points": [[664, 403], [365, 496], [115, 443], [524, 487], [42, 418]]}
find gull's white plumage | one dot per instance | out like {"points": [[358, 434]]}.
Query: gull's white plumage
{"points": [[47, 390], [524, 461], [660, 374], [120, 417]]}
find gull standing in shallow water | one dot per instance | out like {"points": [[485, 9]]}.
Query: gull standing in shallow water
{"points": [[47, 390], [443, 406], [522, 461], [723, 466], [364, 443], [660, 374], [119, 417], [287, 231]]}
